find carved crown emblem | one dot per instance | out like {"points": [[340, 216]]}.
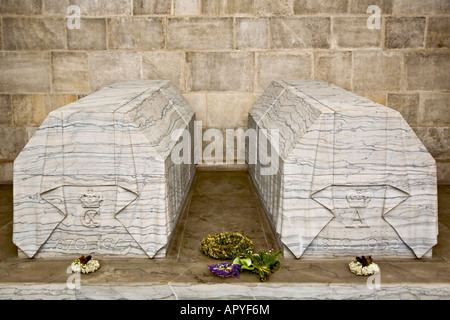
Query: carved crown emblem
{"points": [[358, 199], [90, 199]]}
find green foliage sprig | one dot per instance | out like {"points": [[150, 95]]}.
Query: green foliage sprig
{"points": [[263, 264]]}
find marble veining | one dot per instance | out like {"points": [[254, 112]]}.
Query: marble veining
{"points": [[353, 177], [97, 176]]}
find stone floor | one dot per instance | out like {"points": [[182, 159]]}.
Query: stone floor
{"points": [[221, 201]]}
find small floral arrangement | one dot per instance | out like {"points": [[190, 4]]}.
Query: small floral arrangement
{"points": [[85, 265], [262, 263], [225, 270], [239, 248], [364, 266], [225, 245]]}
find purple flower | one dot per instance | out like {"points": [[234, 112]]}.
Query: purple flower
{"points": [[225, 269]]}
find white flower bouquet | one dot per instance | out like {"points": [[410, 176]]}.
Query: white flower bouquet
{"points": [[363, 266], [85, 265]]}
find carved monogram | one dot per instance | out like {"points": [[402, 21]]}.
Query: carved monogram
{"points": [[358, 201], [90, 201]]}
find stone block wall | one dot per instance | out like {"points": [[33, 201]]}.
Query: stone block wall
{"points": [[222, 54]]}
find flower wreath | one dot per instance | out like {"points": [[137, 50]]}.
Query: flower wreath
{"points": [[85, 265], [363, 266], [225, 245], [225, 269]]}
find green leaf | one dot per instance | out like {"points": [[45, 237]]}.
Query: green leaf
{"points": [[246, 263]]}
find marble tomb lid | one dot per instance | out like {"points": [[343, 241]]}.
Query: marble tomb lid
{"points": [[96, 141], [338, 138]]}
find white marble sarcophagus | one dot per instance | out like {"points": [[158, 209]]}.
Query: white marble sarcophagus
{"points": [[353, 178], [97, 176]]}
